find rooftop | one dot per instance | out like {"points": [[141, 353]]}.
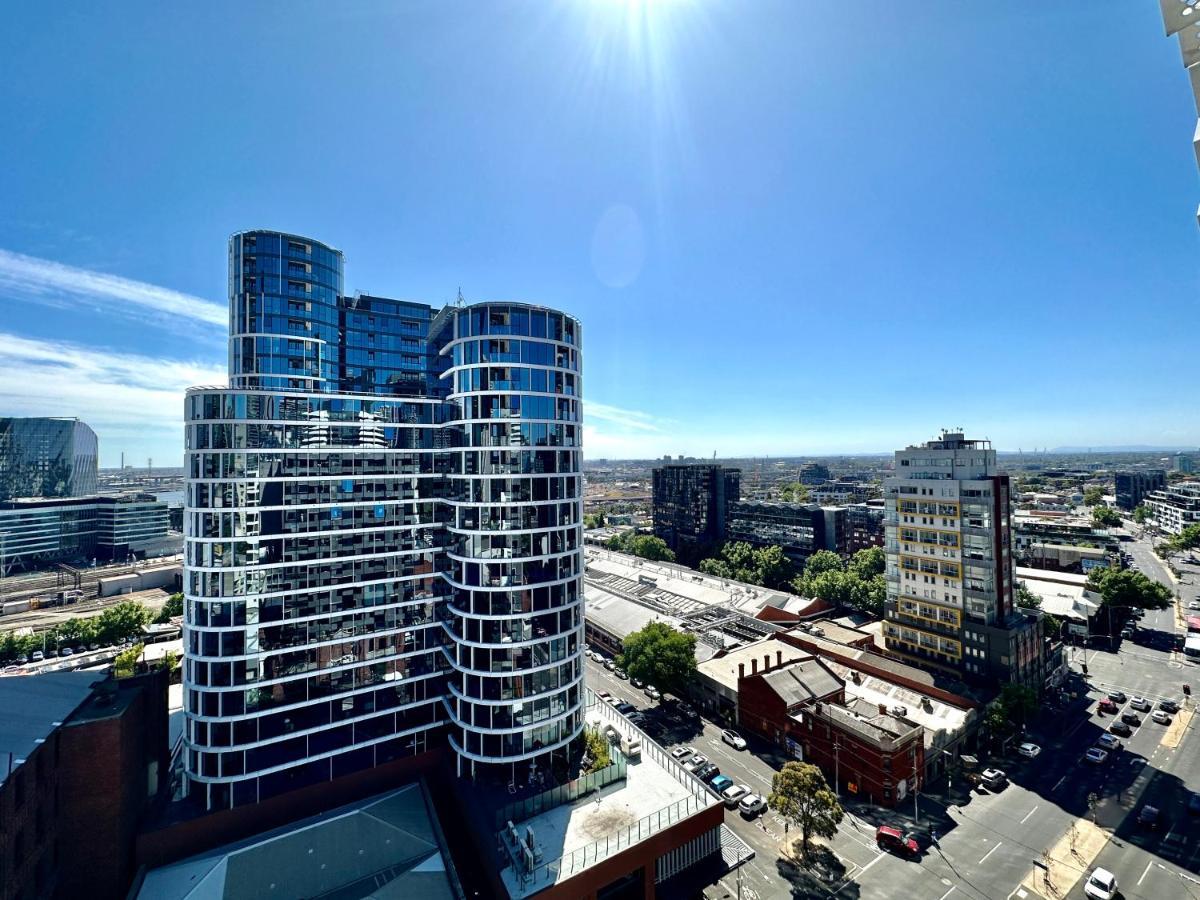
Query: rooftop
{"points": [[724, 669], [868, 722], [656, 793], [618, 615], [385, 848], [803, 681], [31, 707]]}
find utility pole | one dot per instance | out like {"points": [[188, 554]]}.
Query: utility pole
{"points": [[916, 808]]}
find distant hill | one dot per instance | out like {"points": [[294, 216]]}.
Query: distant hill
{"points": [[1123, 448]]}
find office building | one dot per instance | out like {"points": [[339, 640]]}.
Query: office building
{"points": [[691, 505], [797, 528], [383, 535], [38, 533], [864, 526], [1132, 487], [814, 473], [1184, 463], [46, 458], [1174, 508], [950, 568]]}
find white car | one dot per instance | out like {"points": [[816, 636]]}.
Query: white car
{"points": [[1108, 742], [1029, 750], [1101, 884], [1095, 755], [652, 692], [695, 762], [681, 752], [1161, 717], [733, 795], [733, 739], [752, 805], [1194, 604], [1140, 703]]}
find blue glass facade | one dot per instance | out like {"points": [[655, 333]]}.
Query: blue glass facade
{"points": [[383, 534]]}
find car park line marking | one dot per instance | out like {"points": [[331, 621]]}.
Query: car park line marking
{"points": [[947, 894], [1058, 783], [1145, 870], [1028, 814], [990, 852]]}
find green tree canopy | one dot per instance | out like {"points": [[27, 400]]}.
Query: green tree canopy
{"points": [[1141, 514], [740, 561], [1188, 539], [125, 663], [172, 608], [868, 563], [794, 492], [800, 794], [822, 561], [1129, 588], [644, 545], [1093, 496], [658, 654], [1105, 516]]}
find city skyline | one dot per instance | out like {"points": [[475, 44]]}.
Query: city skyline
{"points": [[646, 168]]}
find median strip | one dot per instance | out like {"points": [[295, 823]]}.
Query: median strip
{"points": [[1066, 862], [1174, 733]]}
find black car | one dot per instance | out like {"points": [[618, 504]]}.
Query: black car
{"points": [[1194, 804], [1149, 817], [1168, 705], [707, 772], [1120, 728], [1131, 718]]}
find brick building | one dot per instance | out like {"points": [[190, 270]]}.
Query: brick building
{"points": [[83, 757]]}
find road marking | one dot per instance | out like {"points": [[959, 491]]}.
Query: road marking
{"points": [[990, 852], [1058, 783], [872, 862], [1145, 870], [947, 894], [1028, 814]]}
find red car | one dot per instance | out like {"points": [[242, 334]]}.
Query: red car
{"points": [[1107, 706], [896, 841]]}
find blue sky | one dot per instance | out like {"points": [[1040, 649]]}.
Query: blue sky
{"points": [[787, 227]]}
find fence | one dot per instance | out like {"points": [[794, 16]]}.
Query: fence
{"points": [[521, 810], [577, 860]]}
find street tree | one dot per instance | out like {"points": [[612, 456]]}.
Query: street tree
{"points": [[1128, 588], [645, 546], [1188, 539], [800, 794], [171, 609], [868, 563], [1141, 514], [1105, 516], [1093, 496], [794, 492], [660, 655], [739, 561]]}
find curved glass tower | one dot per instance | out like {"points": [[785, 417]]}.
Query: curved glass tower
{"points": [[383, 534], [515, 559]]}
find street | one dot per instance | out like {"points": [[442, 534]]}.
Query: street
{"points": [[983, 844]]}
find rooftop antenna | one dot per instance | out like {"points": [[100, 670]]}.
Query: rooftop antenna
{"points": [[461, 301]]}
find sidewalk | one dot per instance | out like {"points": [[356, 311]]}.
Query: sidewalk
{"points": [[1063, 864]]}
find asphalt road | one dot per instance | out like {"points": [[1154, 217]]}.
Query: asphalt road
{"points": [[987, 842]]}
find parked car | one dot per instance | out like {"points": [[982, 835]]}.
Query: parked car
{"points": [[1149, 817], [1096, 756], [637, 683], [896, 841], [1117, 696], [1140, 703], [707, 772], [1028, 750], [1131, 718], [1161, 717], [685, 709], [733, 795], [681, 752], [38, 656], [733, 739], [625, 708], [12, 670], [620, 673], [605, 696], [1108, 742], [1169, 705], [1120, 728], [652, 692], [752, 805], [720, 784], [696, 762], [994, 779], [1194, 604], [67, 651], [609, 664], [1101, 884], [1194, 804], [1107, 706]]}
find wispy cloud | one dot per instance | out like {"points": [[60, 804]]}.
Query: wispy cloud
{"points": [[43, 281], [123, 396], [628, 419]]}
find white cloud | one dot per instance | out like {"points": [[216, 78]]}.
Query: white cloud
{"points": [[129, 399], [48, 283], [625, 419]]}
